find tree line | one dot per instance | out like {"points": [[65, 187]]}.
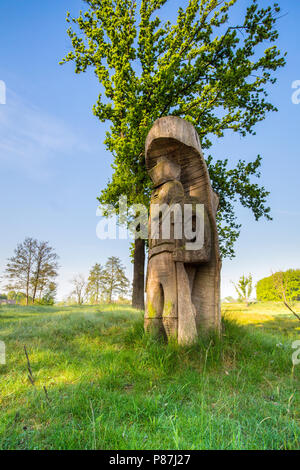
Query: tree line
{"points": [[102, 285], [280, 286], [32, 271]]}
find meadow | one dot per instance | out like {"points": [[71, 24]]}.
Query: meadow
{"points": [[98, 382]]}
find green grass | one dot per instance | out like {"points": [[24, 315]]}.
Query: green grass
{"points": [[112, 387]]}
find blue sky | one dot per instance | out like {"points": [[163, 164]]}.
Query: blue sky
{"points": [[54, 164]]}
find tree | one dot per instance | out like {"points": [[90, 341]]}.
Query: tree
{"points": [[204, 68], [114, 279], [33, 266], [79, 285], [244, 288], [12, 295], [17, 296], [45, 269], [20, 267], [94, 285], [281, 286], [267, 288], [49, 295], [286, 287]]}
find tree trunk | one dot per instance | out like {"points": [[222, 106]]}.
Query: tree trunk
{"points": [[138, 274], [34, 294]]}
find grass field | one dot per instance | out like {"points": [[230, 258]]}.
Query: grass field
{"points": [[108, 386]]}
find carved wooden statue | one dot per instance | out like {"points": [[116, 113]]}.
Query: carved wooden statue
{"points": [[183, 276]]}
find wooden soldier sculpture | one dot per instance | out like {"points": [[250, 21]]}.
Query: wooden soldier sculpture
{"points": [[183, 275]]}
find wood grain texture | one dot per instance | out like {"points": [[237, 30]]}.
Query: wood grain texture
{"points": [[179, 173]]}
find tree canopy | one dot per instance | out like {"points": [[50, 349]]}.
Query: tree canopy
{"points": [[79, 288], [269, 289], [205, 68]]}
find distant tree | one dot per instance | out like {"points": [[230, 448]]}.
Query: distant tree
{"points": [[12, 295], [79, 290], [286, 286], [70, 300], [20, 267], [3, 297], [49, 294], [265, 290], [31, 269], [281, 286], [114, 279], [95, 284], [19, 297], [123, 300], [268, 290], [244, 288], [45, 269]]}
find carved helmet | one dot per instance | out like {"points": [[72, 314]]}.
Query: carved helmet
{"points": [[177, 140]]}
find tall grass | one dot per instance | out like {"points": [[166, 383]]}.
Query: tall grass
{"points": [[111, 386]]}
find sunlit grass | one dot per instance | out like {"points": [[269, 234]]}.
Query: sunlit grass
{"points": [[110, 386], [267, 315]]}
